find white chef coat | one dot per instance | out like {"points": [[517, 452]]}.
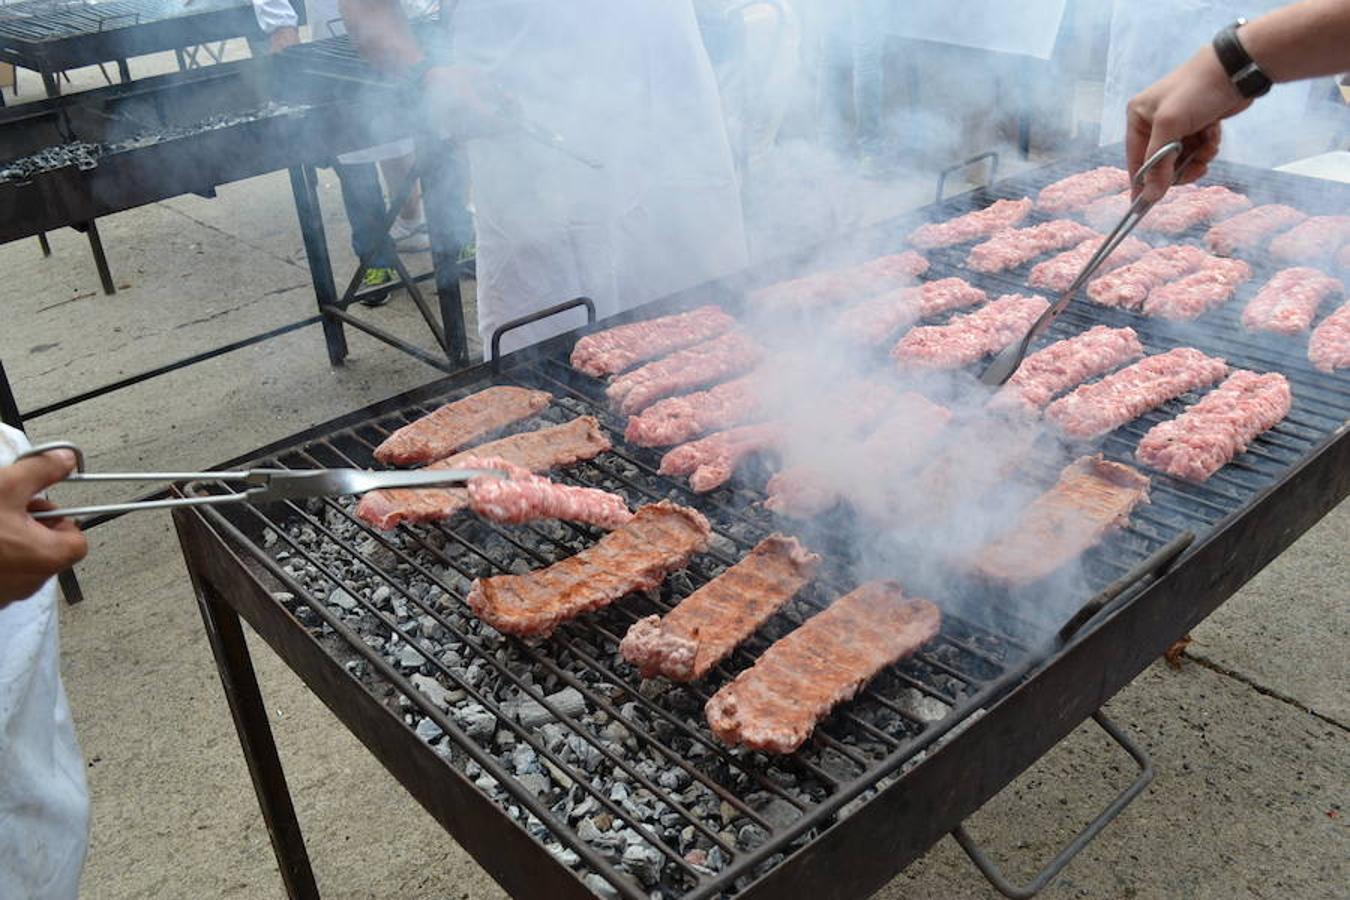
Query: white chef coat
{"points": [[627, 82], [44, 804], [274, 14]]}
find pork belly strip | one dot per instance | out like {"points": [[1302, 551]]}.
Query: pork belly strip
{"points": [[1249, 230], [537, 451], [438, 434], [1329, 346], [1081, 188], [711, 461], [1207, 287], [1208, 204], [995, 217], [967, 338], [1067, 363], [1207, 436], [617, 349], [712, 621], [659, 539], [1312, 240], [841, 285], [874, 320], [1058, 273], [1094, 409], [1129, 286], [524, 497], [1092, 498], [776, 703], [678, 419], [1011, 247], [1288, 303], [733, 353]]}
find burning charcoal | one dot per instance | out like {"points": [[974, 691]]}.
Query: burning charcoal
{"points": [[716, 859], [434, 690], [535, 783], [476, 721], [342, 599], [553, 734], [644, 862], [591, 834], [428, 730], [531, 713], [751, 836], [599, 886], [504, 738], [673, 779], [619, 792], [409, 657], [588, 756], [523, 759], [922, 706]]}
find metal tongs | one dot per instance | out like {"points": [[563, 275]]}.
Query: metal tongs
{"points": [[1008, 359], [261, 485]]}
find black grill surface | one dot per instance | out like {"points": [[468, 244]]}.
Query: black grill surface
{"points": [[683, 815]]}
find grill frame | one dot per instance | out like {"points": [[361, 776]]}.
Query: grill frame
{"points": [[855, 855]]}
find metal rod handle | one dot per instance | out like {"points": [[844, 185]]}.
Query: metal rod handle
{"points": [[76, 512], [952, 170], [536, 316]]}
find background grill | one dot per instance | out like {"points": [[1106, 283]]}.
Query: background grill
{"points": [[389, 610]]}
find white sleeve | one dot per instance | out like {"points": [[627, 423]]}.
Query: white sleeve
{"points": [[274, 14]]}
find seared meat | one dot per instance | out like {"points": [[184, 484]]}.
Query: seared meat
{"points": [[710, 462], [694, 367], [524, 497], [775, 705], [460, 422], [677, 419]]}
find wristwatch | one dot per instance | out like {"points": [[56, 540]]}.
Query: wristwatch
{"points": [[1242, 70]]}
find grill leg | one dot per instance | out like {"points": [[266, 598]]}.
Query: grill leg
{"points": [[990, 869], [45, 244], [443, 198], [305, 190], [100, 258], [123, 71], [51, 84], [226, 634]]}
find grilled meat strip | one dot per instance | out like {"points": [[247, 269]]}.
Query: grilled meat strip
{"points": [[1094, 409], [1289, 301], [1248, 230], [1067, 363], [694, 367], [995, 217], [775, 704], [1057, 273], [1312, 240], [1012, 247], [1208, 204], [1329, 346], [614, 350], [1202, 290], [1207, 436], [838, 286], [873, 321], [1080, 189], [967, 338], [1092, 498], [710, 462], [677, 419], [460, 422], [711, 622], [1129, 286], [524, 497], [537, 451], [660, 538]]}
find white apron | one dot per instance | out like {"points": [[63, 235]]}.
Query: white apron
{"points": [[627, 82], [44, 804], [1150, 38]]}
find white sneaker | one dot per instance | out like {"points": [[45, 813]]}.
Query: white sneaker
{"points": [[410, 237]]}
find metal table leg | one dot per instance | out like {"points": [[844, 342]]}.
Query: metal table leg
{"points": [[304, 188], [123, 70], [45, 244], [100, 259], [225, 632], [51, 83], [443, 196]]}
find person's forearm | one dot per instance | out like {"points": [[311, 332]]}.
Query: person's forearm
{"points": [[380, 30], [1305, 40]]}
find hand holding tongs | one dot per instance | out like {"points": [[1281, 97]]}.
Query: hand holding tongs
{"points": [[1008, 359], [262, 485]]}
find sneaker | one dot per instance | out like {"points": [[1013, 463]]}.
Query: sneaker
{"points": [[410, 237], [377, 277]]}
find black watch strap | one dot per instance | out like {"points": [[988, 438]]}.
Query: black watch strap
{"points": [[1242, 70]]}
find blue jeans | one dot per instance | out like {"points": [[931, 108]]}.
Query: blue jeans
{"points": [[363, 198]]}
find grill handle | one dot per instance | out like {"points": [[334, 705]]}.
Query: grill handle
{"points": [[535, 317], [990, 869], [952, 170], [1154, 564]]}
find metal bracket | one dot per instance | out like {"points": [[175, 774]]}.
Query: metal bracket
{"points": [[1052, 869], [952, 170], [535, 317]]}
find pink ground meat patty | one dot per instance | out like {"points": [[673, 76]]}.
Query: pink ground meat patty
{"points": [[1248, 230], [616, 349], [723, 357], [710, 462], [523, 497], [873, 321], [968, 338], [1095, 409], [1312, 240], [1202, 290], [1207, 436], [1067, 363], [1329, 346], [1208, 204], [1105, 213], [1057, 273], [1011, 247], [678, 419], [1129, 286], [838, 286], [995, 217], [1080, 189], [1289, 301]]}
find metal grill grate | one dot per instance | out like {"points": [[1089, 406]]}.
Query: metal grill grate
{"points": [[691, 818], [51, 20]]}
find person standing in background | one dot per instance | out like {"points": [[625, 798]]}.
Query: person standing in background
{"points": [[627, 84], [44, 802]]}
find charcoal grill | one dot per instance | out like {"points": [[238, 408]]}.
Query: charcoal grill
{"points": [[367, 619]]}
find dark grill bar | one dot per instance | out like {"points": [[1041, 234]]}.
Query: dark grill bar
{"points": [[371, 620]]}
